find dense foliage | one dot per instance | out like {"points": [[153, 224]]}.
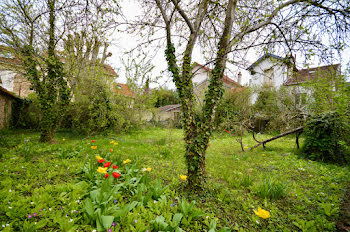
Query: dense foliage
{"points": [[277, 109], [233, 110], [327, 138], [165, 97]]}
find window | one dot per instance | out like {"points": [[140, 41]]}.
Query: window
{"points": [[118, 87], [269, 76]]}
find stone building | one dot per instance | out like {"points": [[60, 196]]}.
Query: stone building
{"points": [[11, 77], [6, 100]]}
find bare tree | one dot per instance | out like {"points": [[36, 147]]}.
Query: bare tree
{"points": [[226, 29]]}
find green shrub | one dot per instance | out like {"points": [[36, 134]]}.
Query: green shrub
{"points": [[271, 188], [327, 138], [233, 110]]}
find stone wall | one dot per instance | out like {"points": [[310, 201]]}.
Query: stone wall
{"points": [[5, 110], [21, 86], [15, 82]]}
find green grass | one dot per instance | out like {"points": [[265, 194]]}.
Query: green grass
{"points": [[300, 194]]}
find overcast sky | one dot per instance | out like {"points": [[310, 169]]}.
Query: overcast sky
{"points": [[123, 42]]}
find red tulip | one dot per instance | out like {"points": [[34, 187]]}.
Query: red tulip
{"points": [[101, 161], [227, 131], [115, 166], [92, 141], [106, 165], [116, 174], [111, 150], [107, 175]]}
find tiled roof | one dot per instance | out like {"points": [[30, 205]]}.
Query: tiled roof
{"points": [[225, 79], [123, 89], [109, 70], [169, 107], [304, 75]]}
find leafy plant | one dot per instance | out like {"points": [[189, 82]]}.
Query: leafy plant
{"points": [[304, 225], [157, 189], [188, 211], [271, 188], [159, 224], [327, 138], [247, 180], [98, 206], [33, 226]]}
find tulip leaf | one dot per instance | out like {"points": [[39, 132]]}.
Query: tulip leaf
{"points": [[107, 221]]}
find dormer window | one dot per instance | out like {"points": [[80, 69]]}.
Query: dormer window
{"points": [[118, 87]]}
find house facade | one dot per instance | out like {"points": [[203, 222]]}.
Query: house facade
{"points": [[274, 71], [201, 76]]}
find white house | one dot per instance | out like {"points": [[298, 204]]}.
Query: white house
{"points": [[275, 71]]}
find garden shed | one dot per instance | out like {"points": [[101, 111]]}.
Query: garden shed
{"points": [[169, 112]]}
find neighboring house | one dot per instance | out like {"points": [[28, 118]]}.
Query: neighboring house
{"points": [[123, 89], [200, 80], [11, 77], [275, 71], [270, 70], [169, 112], [6, 100]]}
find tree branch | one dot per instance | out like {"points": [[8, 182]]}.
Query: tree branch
{"points": [[184, 16]]}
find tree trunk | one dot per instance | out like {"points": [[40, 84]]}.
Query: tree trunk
{"points": [[197, 133], [198, 144], [195, 170], [47, 135]]}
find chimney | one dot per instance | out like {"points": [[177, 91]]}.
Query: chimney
{"points": [[240, 78]]}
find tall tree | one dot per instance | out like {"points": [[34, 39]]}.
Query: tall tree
{"points": [[33, 30], [228, 27]]}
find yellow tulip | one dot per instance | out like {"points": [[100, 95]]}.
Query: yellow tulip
{"points": [[93, 147], [102, 170], [126, 161], [262, 213], [111, 142], [148, 169], [99, 157], [183, 177]]}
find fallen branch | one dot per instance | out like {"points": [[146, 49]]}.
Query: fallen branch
{"points": [[256, 139], [297, 130]]}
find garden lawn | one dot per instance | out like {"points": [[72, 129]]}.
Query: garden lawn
{"points": [[45, 184]]}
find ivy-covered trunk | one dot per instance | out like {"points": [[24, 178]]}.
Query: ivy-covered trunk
{"points": [[47, 79], [198, 130]]}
